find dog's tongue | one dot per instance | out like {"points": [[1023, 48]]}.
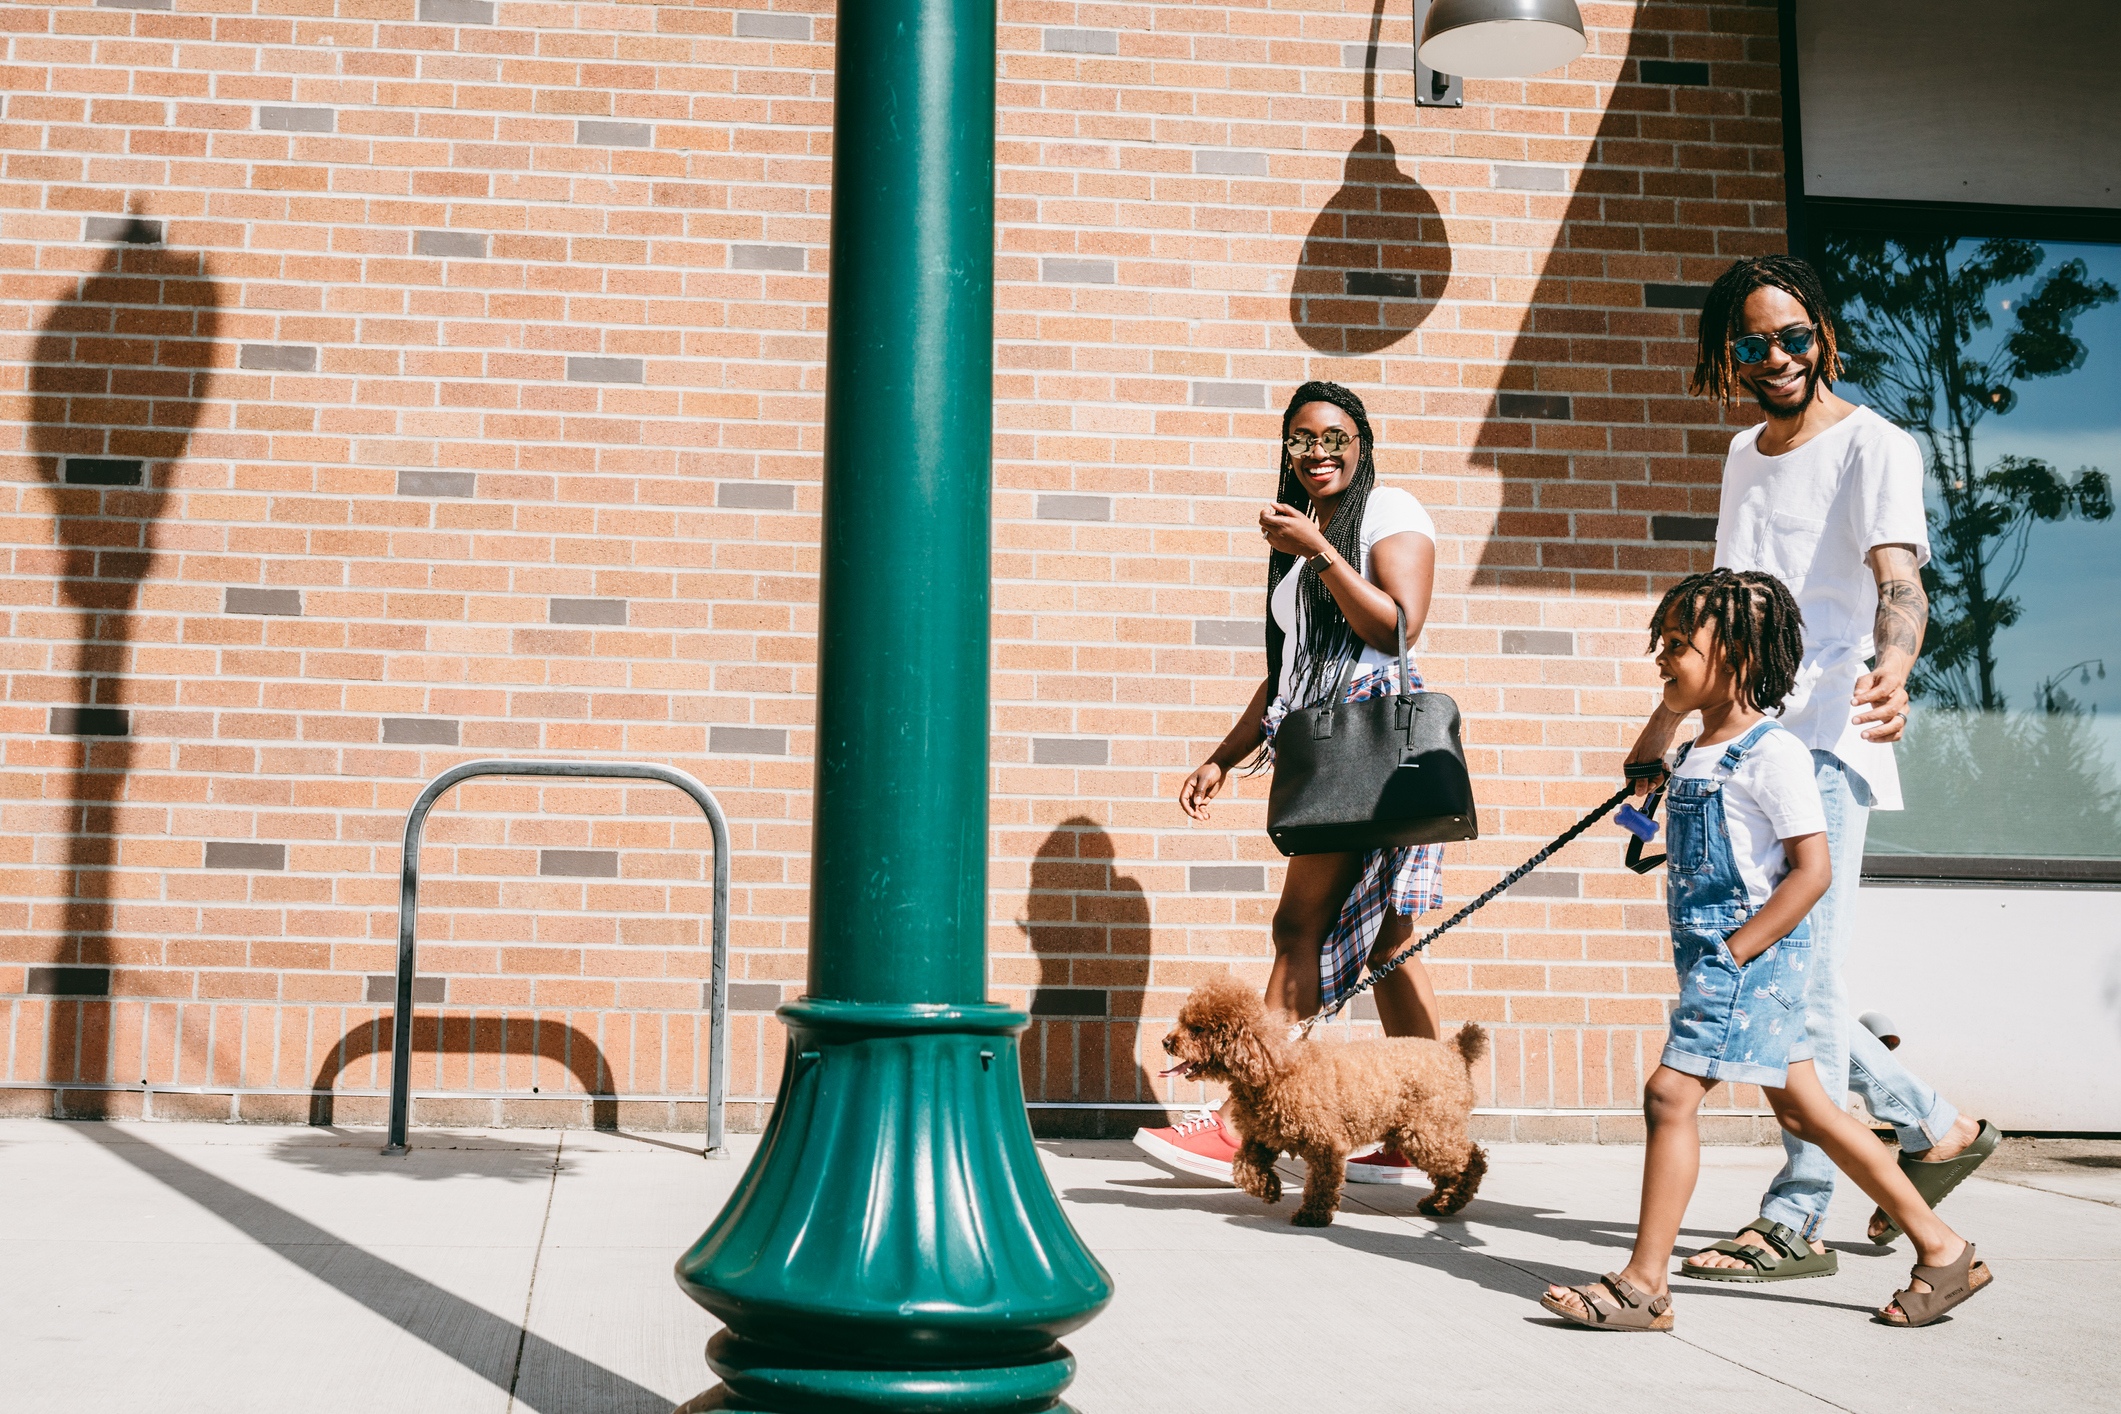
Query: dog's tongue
{"points": [[1174, 1070]]}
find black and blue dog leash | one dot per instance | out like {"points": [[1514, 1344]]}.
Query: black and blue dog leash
{"points": [[1637, 823]]}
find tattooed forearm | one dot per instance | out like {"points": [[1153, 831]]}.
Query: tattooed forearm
{"points": [[1903, 614]]}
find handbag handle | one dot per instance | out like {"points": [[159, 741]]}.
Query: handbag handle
{"points": [[1406, 666]]}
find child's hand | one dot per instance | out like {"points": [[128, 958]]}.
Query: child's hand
{"points": [[1811, 870]]}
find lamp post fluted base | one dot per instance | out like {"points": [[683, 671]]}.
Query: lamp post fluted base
{"points": [[894, 1247]]}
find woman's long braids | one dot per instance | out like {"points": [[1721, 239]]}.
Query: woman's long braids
{"points": [[1327, 637], [1758, 625], [1723, 311]]}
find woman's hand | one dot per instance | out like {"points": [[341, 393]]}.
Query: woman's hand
{"points": [[1200, 788], [1291, 531]]}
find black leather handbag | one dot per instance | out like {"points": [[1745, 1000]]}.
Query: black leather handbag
{"points": [[1365, 775]]}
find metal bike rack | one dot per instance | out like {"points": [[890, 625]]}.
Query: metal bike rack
{"points": [[409, 914]]}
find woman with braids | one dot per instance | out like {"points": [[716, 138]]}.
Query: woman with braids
{"points": [[1345, 558], [1747, 858], [1826, 496]]}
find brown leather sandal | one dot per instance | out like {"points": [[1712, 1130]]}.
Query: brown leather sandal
{"points": [[1615, 1305], [1948, 1287]]}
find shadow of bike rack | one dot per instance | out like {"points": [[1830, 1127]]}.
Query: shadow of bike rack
{"points": [[409, 914]]}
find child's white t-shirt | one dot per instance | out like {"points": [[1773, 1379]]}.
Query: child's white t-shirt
{"points": [[1773, 796]]}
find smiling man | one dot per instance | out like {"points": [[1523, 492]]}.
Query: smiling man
{"points": [[1827, 496]]}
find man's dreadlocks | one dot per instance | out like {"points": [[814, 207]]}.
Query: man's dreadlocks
{"points": [[1758, 625], [1723, 312], [1327, 638]]}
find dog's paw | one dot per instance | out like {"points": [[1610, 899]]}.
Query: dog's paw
{"points": [[1307, 1217]]}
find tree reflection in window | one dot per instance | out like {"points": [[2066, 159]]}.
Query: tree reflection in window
{"points": [[1941, 335]]}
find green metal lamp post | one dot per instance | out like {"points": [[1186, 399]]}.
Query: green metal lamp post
{"points": [[894, 1245]]}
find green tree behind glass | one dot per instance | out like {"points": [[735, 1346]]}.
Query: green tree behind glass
{"points": [[1918, 335]]}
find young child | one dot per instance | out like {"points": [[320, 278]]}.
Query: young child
{"points": [[1747, 859]]}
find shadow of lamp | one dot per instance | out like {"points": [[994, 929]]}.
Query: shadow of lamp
{"points": [[894, 1244]]}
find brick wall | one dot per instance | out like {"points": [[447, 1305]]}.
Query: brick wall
{"points": [[404, 381]]}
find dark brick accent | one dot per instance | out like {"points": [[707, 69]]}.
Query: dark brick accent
{"points": [[1227, 878], [1061, 271], [1230, 395], [278, 358], [1230, 633], [578, 863], [1069, 1001], [1059, 507], [755, 495], [597, 132], [606, 370], [1674, 71], [103, 471], [68, 982], [426, 991], [1697, 528], [91, 721], [745, 996], [437, 483], [1674, 296], [273, 119], [586, 611], [243, 854], [1383, 284], [461, 245], [1550, 406], [420, 731], [1070, 751], [761, 24], [1545, 641], [789, 259], [237, 599], [1548, 883], [1081, 41], [456, 12], [125, 230], [748, 741]]}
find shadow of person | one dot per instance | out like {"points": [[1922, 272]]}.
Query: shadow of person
{"points": [[117, 379], [1376, 259], [1088, 927]]}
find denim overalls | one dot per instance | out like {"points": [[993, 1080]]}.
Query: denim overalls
{"points": [[1743, 1024]]}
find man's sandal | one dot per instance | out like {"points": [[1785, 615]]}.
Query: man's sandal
{"points": [[1934, 1179], [1948, 1287], [1786, 1257], [1615, 1305]]}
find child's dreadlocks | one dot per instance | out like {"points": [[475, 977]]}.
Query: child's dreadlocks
{"points": [[1715, 368], [1757, 623]]}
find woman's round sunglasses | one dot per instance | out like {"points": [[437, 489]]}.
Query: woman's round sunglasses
{"points": [[1796, 341], [1335, 440]]}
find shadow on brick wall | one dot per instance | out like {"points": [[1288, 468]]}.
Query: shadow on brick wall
{"points": [[567, 1046], [116, 382], [1376, 259], [1608, 469], [1088, 928]]}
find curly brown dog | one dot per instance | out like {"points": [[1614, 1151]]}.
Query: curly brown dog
{"points": [[1321, 1102]]}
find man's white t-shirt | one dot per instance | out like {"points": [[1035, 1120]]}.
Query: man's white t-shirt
{"points": [[1389, 511], [1773, 796], [1810, 517]]}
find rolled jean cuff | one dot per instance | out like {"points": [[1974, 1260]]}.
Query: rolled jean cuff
{"points": [[1914, 1139], [1799, 1220]]}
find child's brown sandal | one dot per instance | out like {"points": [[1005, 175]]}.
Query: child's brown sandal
{"points": [[1615, 1305], [1949, 1285]]}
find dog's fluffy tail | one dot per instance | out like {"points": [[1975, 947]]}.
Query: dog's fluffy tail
{"points": [[1471, 1043]]}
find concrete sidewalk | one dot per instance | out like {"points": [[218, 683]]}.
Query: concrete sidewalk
{"points": [[210, 1267]]}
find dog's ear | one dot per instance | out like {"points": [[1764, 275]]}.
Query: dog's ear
{"points": [[1248, 1055]]}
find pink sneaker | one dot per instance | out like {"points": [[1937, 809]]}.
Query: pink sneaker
{"points": [[1199, 1146], [1385, 1166]]}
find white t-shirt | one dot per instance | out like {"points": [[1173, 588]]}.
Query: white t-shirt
{"points": [[1773, 796], [1809, 517], [1389, 511]]}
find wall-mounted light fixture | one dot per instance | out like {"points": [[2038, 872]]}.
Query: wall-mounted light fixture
{"points": [[1492, 39], [1431, 89]]}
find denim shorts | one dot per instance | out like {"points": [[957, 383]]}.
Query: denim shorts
{"points": [[1743, 1024]]}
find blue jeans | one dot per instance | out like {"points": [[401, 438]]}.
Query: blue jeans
{"points": [[1845, 1055]]}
